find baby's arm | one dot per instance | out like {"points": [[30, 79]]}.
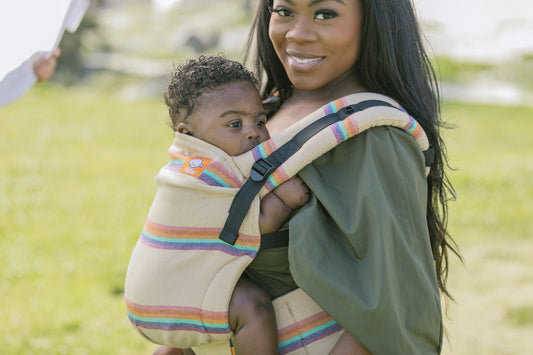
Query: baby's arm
{"points": [[277, 205]]}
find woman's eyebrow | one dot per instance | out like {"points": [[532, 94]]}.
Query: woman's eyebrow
{"points": [[316, 2]]}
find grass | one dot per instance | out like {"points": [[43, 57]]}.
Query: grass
{"points": [[76, 183], [490, 148], [491, 220]]}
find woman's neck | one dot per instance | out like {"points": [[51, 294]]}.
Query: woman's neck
{"points": [[304, 102], [343, 86]]}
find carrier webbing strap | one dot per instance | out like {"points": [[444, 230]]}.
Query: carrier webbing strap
{"points": [[263, 167], [275, 240]]}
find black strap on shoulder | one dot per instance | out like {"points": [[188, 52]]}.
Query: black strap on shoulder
{"points": [[263, 167]]}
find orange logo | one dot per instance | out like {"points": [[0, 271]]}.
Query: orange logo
{"points": [[195, 166]]}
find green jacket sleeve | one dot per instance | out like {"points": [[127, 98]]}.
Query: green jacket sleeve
{"points": [[360, 248]]}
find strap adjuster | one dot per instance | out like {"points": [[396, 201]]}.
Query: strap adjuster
{"points": [[261, 169], [429, 154]]}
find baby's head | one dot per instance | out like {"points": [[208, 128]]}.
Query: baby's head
{"points": [[216, 99]]}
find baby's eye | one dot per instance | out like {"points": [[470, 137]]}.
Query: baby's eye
{"points": [[325, 14], [282, 12], [235, 124], [260, 123]]}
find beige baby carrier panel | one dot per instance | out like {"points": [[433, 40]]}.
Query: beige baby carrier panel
{"points": [[191, 253]]}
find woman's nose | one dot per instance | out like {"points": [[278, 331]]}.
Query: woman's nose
{"points": [[301, 30]]}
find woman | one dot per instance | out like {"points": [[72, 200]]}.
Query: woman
{"points": [[371, 247]]}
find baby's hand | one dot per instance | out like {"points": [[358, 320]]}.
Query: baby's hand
{"points": [[293, 192]]}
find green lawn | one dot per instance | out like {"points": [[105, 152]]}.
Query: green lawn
{"points": [[76, 182], [492, 220], [75, 186]]}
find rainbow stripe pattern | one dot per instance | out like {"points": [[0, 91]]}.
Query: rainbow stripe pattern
{"points": [[348, 128], [264, 149], [161, 236], [171, 318], [279, 176], [306, 331], [335, 106], [215, 174], [413, 128]]}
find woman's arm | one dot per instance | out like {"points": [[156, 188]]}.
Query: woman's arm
{"points": [[360, 247]]}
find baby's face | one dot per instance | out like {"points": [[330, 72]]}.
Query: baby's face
{"points": [[230, 117]]}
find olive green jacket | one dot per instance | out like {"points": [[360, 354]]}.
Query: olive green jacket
{"points": [[360, 248]]}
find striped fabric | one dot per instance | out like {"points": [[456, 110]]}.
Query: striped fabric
{"points": [[160, 236], [335, 106], [170, 318], [305, 332], [264, 149], [303, 327]]}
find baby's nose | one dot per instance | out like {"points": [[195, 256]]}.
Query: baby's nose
{"points": [[253, 133]]}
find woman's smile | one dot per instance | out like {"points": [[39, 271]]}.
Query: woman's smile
{"points": [[303, 62]]}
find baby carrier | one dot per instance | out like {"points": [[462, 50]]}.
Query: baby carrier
{"points": [[191, 252]]}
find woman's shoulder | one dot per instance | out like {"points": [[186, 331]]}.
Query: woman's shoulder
{"points": [[379, 151]]}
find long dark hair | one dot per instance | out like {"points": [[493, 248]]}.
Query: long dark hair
{"points": [[392, 61]]}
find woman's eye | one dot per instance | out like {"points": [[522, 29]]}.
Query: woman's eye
{"points": [[326, 14], [283, 12], [235, 124]]}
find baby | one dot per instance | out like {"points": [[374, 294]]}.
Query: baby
{"points": [[216, 100]]}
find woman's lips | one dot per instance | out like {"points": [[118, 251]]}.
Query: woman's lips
{"points": [[302, 62]]}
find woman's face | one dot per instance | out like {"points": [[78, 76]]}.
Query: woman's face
{"points": [[317, 41]]}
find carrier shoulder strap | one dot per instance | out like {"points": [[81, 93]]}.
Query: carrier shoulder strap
{"points": [[264, 167]]}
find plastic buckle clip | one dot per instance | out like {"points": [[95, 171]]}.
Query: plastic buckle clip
{"points": [[261, 169]]}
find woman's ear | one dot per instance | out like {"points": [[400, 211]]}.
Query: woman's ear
{"points": [[184, 128]]}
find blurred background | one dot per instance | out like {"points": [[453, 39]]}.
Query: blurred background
{"points": [[79, 153]]}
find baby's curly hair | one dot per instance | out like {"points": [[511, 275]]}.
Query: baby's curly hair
{"points": [[190, 80]]}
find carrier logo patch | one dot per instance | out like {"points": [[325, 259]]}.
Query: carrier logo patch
{"points": [[195, 166]]}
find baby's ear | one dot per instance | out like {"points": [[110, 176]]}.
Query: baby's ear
{"points": [[184, 128]]}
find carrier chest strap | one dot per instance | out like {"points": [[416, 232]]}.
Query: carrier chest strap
{"points": [[263, 167]]}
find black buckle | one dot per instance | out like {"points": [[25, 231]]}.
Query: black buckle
{"points": [[261, 169], [429, 154]]}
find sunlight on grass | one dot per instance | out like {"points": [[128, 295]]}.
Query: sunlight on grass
{"points": [[491, 220], [490, 148], [75, 189]]}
